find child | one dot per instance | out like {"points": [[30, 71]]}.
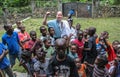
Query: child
{"points": [[99, 67], [48, 48], [73, 51], [34, 43], [92, 53], [78, 26], [24, 37], [52, 32], [61, 65], [81, 68], [43, 31], [4, 62], [40, 66], [33, 39], [11, 39], [71, 32], [18, 23], [80, 44], [67, 42], [101, 46], [27, 62]]}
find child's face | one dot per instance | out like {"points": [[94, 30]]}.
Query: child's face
{"points": [[52, 32], [22, 29], [77, 27], [101, 41], [40, 54], [85, 33], [33, 36], [118, 54], [115, 45], [77, 62], [48, 43], [44, 32], [9, 29], [73, 49]]}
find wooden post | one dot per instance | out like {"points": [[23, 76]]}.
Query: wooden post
{"points": [[32, 6], [4, 15], [59, 5]]}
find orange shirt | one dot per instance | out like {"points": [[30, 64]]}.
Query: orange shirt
{"points": [[23, 36], [81, 71]]}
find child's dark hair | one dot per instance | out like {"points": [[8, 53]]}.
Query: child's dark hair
{"points": [[26, 54], [102, 59], [42, 28], [92, 31], [45, 39], [31, 32], [49, 29], [6, 26], [73, 44], [116, 41]]}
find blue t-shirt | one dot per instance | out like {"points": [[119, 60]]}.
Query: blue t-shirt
{"points": [[12, 42], [55, 25], [4, 62]]}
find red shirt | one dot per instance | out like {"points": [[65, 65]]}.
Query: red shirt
{"points": [[22, 37], [80, 45]]}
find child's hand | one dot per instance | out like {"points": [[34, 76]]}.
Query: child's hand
{"points": [[5, 52], [86, 62]]}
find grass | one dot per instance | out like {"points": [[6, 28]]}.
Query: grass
{"points": [[112, 25]]}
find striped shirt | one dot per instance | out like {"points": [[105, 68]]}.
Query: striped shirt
{"points": [[100, 72]]}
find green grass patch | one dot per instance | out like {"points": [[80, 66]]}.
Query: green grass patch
{"points": [[112, 25]]}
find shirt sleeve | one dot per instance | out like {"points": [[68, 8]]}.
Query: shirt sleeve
{"points": [[50, 23], [3, 41], [4, 47], [90, 44]]}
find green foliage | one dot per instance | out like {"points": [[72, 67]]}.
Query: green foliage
{"points": [[115, 2], [14, 3], [26, 9]]}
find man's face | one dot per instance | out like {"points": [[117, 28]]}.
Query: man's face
{"points": [[59, 16]]}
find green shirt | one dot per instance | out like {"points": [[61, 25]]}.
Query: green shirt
{"points": [[49, 51]]}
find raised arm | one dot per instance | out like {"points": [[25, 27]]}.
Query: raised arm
{"points": [[45, 18]]}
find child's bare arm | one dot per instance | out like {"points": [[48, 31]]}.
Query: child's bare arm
{"points": [[3, 54], [88, 64]]}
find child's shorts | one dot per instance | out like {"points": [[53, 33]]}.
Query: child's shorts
{"points": [[13, 57]]}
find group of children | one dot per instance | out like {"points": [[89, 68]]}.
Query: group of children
{"points": [[94, 56]]}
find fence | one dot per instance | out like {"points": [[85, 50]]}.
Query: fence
{"points": [[81, 9]]}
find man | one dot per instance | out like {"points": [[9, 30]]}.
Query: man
{"points": [[61, 64], [58, 24]]}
